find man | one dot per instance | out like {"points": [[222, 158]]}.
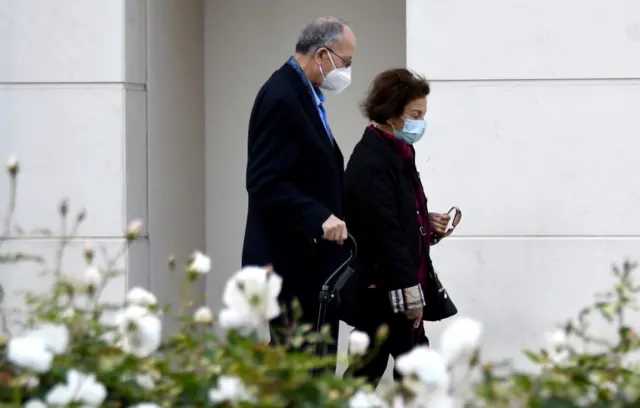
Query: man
{"points": [[295, 169]]}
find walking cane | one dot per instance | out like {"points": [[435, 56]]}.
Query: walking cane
{"points": [[331, 290]]}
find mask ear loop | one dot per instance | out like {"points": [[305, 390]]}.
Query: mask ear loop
{"points": [[332, 63], [320, 64], [331, 59], [394, 128]]}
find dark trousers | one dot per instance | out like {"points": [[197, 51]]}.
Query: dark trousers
{"points": [[402, 336]]}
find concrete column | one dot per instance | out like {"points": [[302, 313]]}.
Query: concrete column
{"points": [[533, 133], [72, 109], [91, 121]]}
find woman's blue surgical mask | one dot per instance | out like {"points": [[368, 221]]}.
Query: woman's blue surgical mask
{"points": [[412, 130]]}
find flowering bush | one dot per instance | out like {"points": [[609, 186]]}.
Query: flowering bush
{"points": [[78, 349], [579, 367]]}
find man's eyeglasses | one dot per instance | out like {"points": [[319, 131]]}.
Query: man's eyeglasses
{"points": [[346, 61]]}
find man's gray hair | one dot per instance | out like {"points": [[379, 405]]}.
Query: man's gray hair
{"points": [[323, 32]]}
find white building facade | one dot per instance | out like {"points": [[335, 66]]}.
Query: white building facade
{"points": [[139, 109]]}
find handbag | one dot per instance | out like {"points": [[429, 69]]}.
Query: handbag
{"points": [[439, 305]]}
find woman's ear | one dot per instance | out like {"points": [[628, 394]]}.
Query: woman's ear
{"points": [[396, 123]]}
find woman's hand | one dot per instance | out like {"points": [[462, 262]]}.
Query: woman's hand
{"points": [[415, 315], [440, 222]]}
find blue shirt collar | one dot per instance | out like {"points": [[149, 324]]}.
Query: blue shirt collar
{"points": [[315, 92]]}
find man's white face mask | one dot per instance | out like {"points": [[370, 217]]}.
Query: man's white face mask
{"points": [[337, 80]]}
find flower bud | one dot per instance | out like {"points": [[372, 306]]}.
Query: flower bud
{"points": [[13, 166], [133, 230], [382, 333], [64, 208], [203, 315], [92, 279], [81, 216], [89, 252]]}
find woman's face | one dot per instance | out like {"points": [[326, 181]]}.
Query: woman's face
{"points": [[414, 110]]}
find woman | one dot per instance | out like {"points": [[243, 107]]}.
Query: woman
{"points": [[386, 211]]}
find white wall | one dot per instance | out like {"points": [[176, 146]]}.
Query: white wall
{"points": [[533, 131], [92, 121], [71, 92]]}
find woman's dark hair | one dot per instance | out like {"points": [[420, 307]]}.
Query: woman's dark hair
{"points": [[391, 91]]}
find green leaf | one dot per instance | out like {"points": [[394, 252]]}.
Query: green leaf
{"points": [[523, 381], [534, 357], [608, 312], [554, 402]]}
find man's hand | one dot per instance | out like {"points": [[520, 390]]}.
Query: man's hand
{"points": [[415, 315], [334, 229], [439, 222]]}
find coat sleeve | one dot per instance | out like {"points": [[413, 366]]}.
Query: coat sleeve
{"points": [[273, 152], [378, 209]]}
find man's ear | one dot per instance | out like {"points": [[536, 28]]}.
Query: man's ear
{"points": [[319, 53]]}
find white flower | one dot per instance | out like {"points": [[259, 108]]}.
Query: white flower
{"points": [[32, 382], [200, 263], [231, 319], [141, 297], [80, 388], [35, 403], [203, 315], [142, 380], [30, 353], [229, 389], [558, 343], [587, 399], [364, 399], [68, 312], [441, 399], [145, 405], [611, 386], [35, 350], [358, 342], [139, 331], [92, 277], [426, 364], [54, 336], [630, 392], [145, 381], [398, 402], [460, 340], [253, 294]]}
